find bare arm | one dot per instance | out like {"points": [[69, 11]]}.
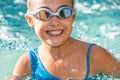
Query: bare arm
{"points": [[106, 63], [13, 77], [22, 68]]}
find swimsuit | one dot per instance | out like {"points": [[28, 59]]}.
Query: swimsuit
{"points": [[40, 73]]}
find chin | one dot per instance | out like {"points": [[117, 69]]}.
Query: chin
{"points": [[54, 45]]}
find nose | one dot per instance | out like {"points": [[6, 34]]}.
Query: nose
{"points": [[54, 21]]}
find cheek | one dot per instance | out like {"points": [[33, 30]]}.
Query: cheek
{"points": [[69, 21], [38, 32], [39, 29], [69, 24]]}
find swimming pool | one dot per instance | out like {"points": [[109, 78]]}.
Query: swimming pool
{"points": [[97, 21]]}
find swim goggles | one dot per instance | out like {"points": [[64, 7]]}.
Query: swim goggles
{"points": [[45, 13]]}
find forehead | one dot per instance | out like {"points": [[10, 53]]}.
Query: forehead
{"points": [[35, 4]]}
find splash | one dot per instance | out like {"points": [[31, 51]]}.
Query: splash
{"points": [[2, 19], [95, 6], [12, 41], [110, 30], [19, 1]]}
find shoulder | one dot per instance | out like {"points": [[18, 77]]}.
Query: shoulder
{"points": [[99, 53], [22, 66], [103, 59]]}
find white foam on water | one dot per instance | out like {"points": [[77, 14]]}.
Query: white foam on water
{"points": [[116, 4], [86, 8], [110, 30], [4, 32], [82, 7], [2, 19], [19, 1], [21, 13], [95, 6], [12, 41]]}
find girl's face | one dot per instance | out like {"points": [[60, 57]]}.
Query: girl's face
{"points": [[53, 32]]}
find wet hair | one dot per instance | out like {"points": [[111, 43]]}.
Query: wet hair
{"points": [[29, 3], [73, 1]]}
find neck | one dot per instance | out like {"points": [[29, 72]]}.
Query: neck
{"points": [[59, 51]]}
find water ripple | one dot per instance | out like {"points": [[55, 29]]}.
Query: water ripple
{"points": [[12, 41], [110, 30]]}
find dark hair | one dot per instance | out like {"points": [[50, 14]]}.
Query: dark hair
{"points": [[73, 2]]}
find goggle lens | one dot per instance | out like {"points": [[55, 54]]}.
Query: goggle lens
{"points": [[43, 15], [65, 13], [46, 14]]}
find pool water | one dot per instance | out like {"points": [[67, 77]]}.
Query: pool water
{"points": [[97, 21]]}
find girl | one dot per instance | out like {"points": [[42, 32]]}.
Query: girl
{"points": [[61, 57]]}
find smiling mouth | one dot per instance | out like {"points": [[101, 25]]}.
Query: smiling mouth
{"points": [[55, 33]]}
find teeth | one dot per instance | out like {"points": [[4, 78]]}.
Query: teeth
{"points": [[54, 32]]}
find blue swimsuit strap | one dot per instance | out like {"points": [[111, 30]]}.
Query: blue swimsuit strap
{"points": [[42, 73], [88, 61]]}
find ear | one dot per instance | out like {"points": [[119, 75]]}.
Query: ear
{"points": [[29, 20], [74, 17]]}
